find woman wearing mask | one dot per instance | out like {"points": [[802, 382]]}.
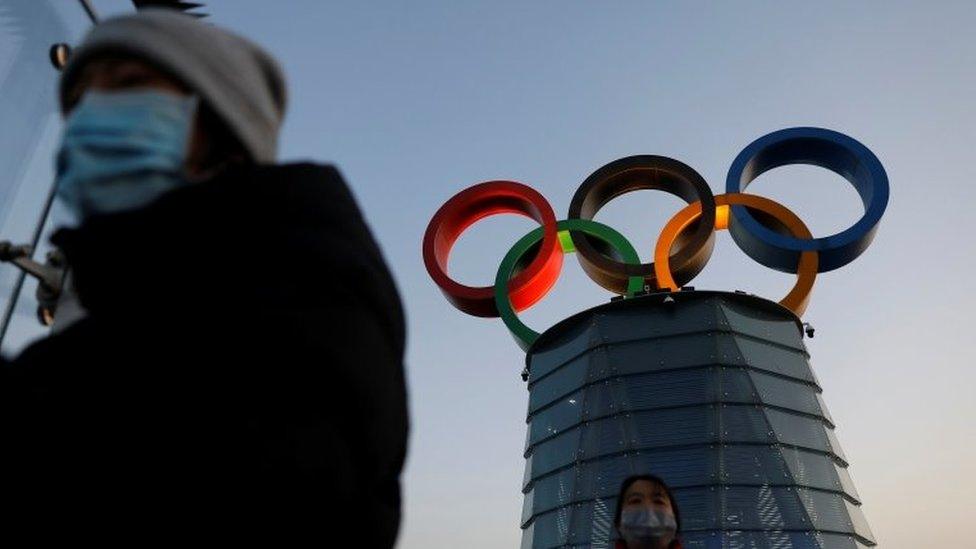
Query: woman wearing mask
{"points": [[647, 516], [239, 366]]}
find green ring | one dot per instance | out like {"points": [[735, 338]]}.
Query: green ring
{"points": [[524, 335]]}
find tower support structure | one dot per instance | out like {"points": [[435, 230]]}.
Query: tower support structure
{"points": [[711, 391]]}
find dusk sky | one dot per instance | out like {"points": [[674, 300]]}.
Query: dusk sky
{"points": [[414, 101]]}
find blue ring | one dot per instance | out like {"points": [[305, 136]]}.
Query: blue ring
{"points": [[819, 147]]}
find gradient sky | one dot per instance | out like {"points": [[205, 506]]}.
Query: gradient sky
{"points": [[415, 101]]}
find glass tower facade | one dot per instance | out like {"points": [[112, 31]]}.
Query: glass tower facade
{"points": [[711, 391]]}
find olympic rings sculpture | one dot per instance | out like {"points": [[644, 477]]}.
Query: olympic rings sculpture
{"points": [[765, 230]]}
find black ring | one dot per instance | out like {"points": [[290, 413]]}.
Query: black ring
{"points": [[638, 173]]}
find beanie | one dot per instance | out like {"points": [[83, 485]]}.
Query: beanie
{"points": [[241, 82]]}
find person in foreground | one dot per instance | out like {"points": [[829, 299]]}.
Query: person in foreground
{"points": [[239, 367], [647, 515]]}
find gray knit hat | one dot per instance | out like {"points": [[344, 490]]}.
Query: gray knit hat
{"points": [[240, 81]]}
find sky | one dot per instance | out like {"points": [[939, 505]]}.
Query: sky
{"points": [[415, 101]]}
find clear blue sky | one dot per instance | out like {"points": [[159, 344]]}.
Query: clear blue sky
{"points": [[416, 100]]}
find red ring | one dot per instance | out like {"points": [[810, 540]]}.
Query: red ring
{"points": [[466, 208]]}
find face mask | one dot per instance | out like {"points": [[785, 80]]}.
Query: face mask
{"points": [[645, 527], [122, 150]]}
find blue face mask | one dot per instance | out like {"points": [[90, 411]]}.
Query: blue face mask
{"points": [[647, 527], [122, 150]]}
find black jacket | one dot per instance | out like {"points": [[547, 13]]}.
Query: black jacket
{"points": [[242, 358]]}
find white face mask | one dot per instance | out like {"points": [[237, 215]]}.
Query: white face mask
{"points": [[647, 527]]}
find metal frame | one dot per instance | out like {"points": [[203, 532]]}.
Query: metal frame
{"points": [[39, 227], [90, 10]]}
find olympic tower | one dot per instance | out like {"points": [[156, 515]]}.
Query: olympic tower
{"points": [[712, 391]]}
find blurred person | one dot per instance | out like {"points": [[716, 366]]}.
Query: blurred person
{"points": [[647, 515], [239, 366]]}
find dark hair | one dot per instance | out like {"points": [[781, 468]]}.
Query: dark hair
{"points": [[626, 484]]}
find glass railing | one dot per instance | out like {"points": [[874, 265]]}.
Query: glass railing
{"points": [[29, 130]]}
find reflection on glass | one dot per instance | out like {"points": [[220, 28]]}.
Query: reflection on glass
{"points": [[28, 136]]}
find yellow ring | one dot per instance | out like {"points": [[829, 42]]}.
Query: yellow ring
{"points": [[806, 273]]}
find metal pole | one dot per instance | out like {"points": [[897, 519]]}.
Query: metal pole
{"points": [[86, 5], [15, 295]]}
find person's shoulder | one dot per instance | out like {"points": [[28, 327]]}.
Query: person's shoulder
{"points": [[299, 182], [294, 172], [297, 169], [48, 355]]}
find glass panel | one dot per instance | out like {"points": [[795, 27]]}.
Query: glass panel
{"points": [[727, 350], [662, 390], [594, 521], [554, 453], [736, 386], [527, 475], [560, 383], [860, 523], [672, 427], [25, 327], [763, 507], [812, 469], [774, 359], [550, 529], [29, 134], [605, 436], [753, 464], [644, 323], [528, 506], [827, 511], [838, 541], [798, 430], [603, 477], [603, 398], [699, 508], [665, 354], [581, 523], [825, 410], [599, 366], [550, 492], [835, 446], [606, 475], [602, 531], [567, 346], [846, 483], [744, 424], [527, 536], [701, 540], [566, 412], [679, 468], [813, 374], [763, 324], [666, 389], [767, 540], [785, 393]]}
